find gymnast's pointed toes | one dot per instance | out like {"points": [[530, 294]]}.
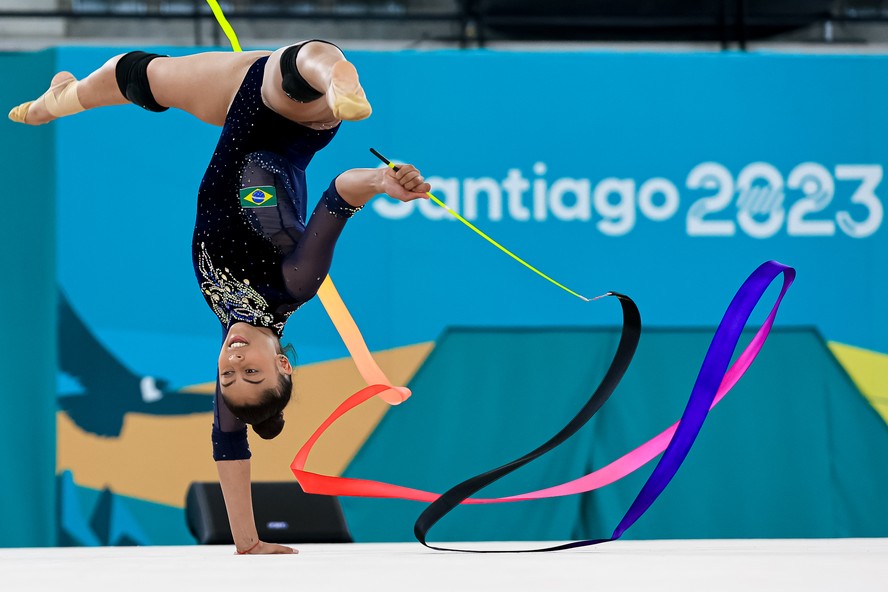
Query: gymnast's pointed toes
{"points": [[351, 108], [19, 114], [345, 95]]}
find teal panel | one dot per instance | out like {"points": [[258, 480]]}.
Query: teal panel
{"points": [[88, 517], [73, 514], [161, 524], [27, 302], [775, 459], [790, 453]]}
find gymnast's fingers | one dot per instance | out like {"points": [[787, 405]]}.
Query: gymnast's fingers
{"points": [[409, 177], [421, 188], [416, 195], [264, 548], [405, 170]]}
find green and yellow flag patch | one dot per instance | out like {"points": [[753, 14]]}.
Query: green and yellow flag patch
{"points": [[258, 197]]}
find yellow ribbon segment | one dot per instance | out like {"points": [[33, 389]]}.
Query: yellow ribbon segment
{"points": [[483, 235], [223, 22]]}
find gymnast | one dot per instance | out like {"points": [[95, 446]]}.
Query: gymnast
{"points": [[255, 257]]}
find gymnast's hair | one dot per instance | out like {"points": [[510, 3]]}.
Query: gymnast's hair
{"points": [[267, 416]]}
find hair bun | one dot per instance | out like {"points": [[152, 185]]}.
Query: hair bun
{"points": [[271, 427]]}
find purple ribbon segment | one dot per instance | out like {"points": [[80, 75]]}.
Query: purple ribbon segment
{"points": [[712, 372]]}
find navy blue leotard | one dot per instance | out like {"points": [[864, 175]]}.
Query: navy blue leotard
{"points": [[254, 256]]}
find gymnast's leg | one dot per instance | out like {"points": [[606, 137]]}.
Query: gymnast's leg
{"points": [[201, 84], [323, 86]]}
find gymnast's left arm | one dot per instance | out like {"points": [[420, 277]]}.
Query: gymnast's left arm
{"points": [[305, 268]]}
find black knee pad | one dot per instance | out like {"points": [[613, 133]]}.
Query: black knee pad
{"points": [[294, 85], [132, 79]]}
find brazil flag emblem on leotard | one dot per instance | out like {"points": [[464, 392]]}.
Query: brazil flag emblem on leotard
{"points": [[258, 197]]}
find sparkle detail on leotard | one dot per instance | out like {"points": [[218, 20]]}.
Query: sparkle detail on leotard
{"points": [[232, 299]]}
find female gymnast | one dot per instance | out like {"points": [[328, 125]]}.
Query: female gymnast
{"points": [[255, 257]]}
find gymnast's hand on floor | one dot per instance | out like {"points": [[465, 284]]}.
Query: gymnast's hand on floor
{"points": [[405, 184], [270, 549]]}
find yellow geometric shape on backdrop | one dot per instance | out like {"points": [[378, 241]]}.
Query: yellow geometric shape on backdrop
{"points": [[869, 371]]}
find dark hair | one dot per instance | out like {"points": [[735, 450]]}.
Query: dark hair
{"points": [[267, 416]]}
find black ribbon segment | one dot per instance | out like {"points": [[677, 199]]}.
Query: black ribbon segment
{"points": [[629, 338]]}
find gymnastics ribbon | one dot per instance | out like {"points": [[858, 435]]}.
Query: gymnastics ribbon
{"points": [[713, 382], [357, 347], [226, 26], [713, 374]]}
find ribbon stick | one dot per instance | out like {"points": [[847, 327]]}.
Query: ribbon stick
{"points": [[481, 233]]}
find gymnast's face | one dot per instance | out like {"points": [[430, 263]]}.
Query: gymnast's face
{"points": [[250, 362]]}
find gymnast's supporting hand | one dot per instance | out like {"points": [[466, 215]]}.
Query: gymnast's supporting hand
{"points": [[234, 476]]}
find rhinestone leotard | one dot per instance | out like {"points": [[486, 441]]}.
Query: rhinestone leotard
{"points": [[254, 257]]}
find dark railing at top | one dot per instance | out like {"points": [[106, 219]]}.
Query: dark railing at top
{"points": [[479, 21]]}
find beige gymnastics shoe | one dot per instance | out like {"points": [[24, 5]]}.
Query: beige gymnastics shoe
{"points": [[18, 114], [60, 100], [345, 95]]}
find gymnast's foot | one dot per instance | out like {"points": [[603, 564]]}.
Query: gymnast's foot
{"points": [[60, 99], [345, 95]]}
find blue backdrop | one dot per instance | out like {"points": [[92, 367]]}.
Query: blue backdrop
{"points": [[668, 177], [665, 176]]}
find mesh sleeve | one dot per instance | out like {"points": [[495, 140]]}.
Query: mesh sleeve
{"points": [[309, 262]]}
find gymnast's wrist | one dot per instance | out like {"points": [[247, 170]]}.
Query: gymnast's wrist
{"points": [[379, 181], [363, 185], [248, 546]]}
